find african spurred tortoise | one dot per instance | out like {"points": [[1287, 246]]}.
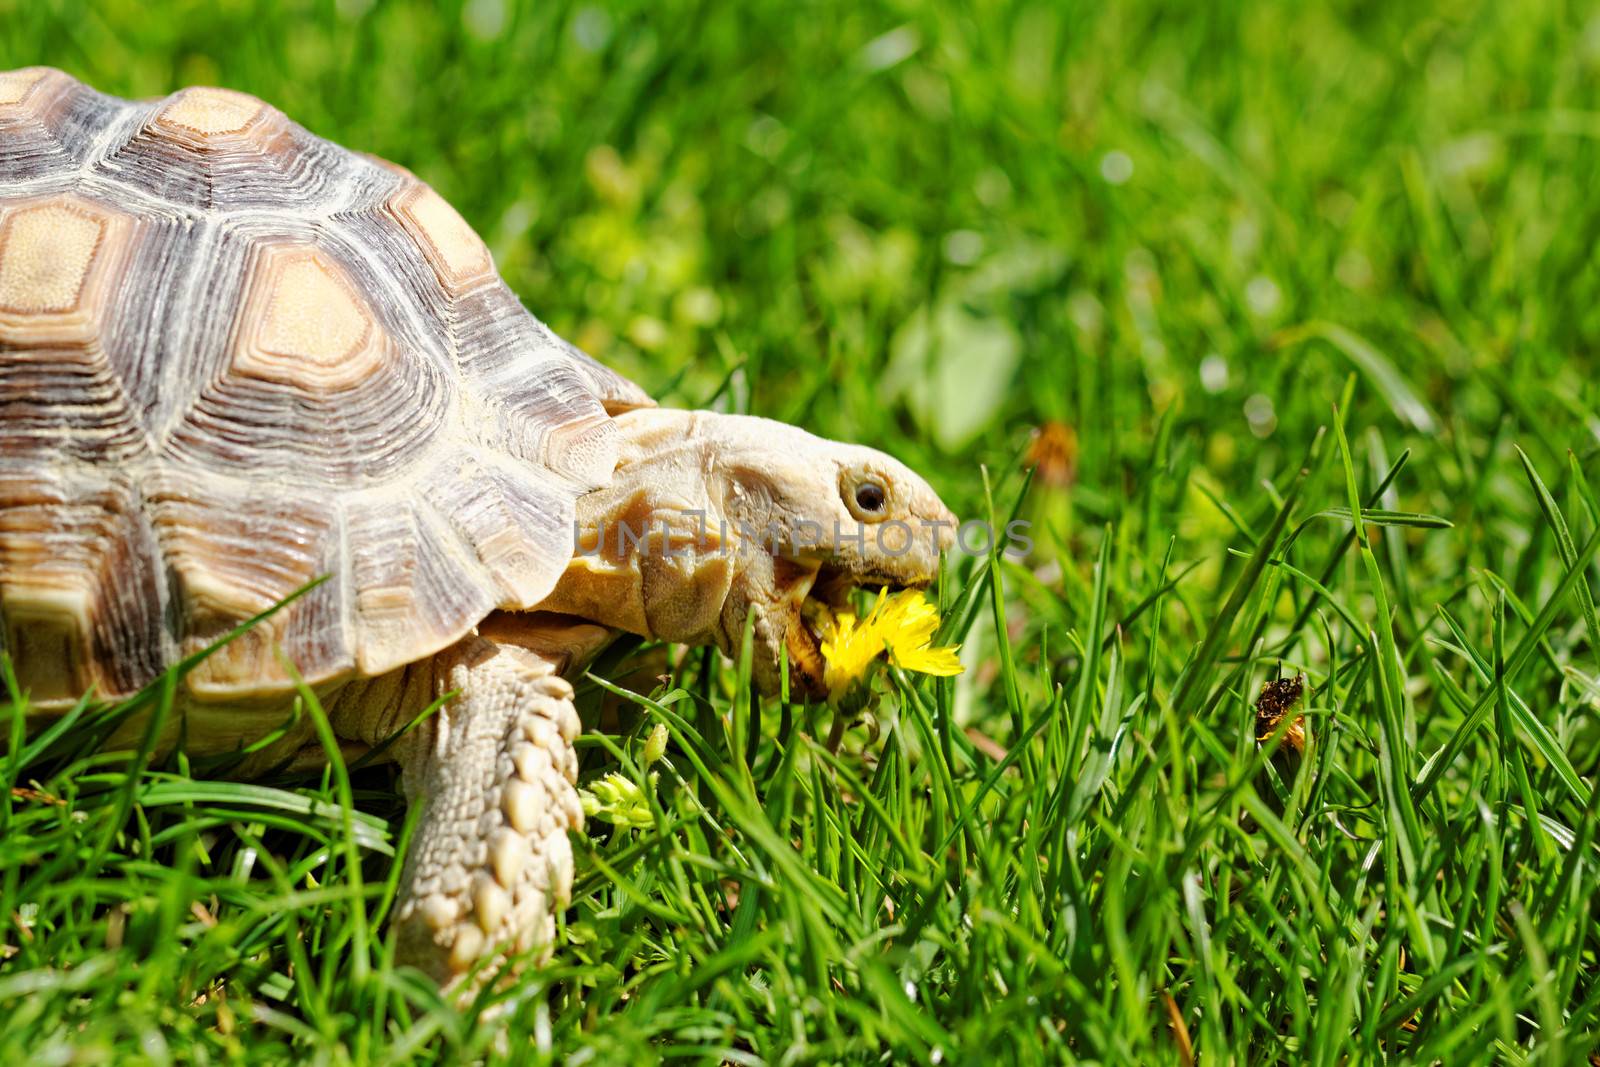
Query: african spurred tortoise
{"points": [[235, 358]]}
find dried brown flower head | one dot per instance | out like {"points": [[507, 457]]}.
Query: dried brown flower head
{"points": [[1053, 453], [1279, 698]]}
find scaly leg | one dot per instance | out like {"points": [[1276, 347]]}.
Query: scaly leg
{"points": [[495, 771]]}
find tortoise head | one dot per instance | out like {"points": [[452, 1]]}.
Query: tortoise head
{"points": [[714, 522]]}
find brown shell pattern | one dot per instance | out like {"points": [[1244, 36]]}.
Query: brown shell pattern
{"points": [[234, 358]]}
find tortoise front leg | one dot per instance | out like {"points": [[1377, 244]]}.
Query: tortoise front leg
{"points": [[490, 862]]}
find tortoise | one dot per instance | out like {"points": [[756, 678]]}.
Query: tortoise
{"points": [[236, 358]]}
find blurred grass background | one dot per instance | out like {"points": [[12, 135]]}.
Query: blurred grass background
{"points": [[1147, 247]]}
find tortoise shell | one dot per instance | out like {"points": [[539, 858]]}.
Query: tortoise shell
{"points": [[234, 358]]}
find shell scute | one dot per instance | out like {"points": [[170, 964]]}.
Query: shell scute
{"points": [[457, 254], [45, 119], [304, 325], [315, 381], [62, 263], [222, 150], [80, 586], [232, 554], [203, 115], [511, 521], [55, 257], [414, 580]]}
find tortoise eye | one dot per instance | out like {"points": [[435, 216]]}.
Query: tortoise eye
{"points": [[871, 497], [865, 493]]}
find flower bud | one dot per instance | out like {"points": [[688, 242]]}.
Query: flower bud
{"points": [[656, 745]]}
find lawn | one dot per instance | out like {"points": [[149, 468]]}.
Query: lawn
{"points": [[1292, 309]]}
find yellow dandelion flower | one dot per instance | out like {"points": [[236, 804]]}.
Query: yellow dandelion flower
{"points": [[848, 650], [940, 662], [901, 626]]}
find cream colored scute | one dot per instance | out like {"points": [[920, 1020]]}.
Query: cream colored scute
{"points": [[458, 254], [60, 258], [49, 613], [45, 254], [209, 112], [311, 313], [73, 579], [15, 85], [304, 324]]}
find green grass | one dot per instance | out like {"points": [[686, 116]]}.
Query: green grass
{"points": [[1198, 235]]}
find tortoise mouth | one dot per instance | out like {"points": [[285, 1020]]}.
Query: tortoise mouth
{"points": [[830, 590]]}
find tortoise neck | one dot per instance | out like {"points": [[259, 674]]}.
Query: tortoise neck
{"points": [[647, 560]]}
